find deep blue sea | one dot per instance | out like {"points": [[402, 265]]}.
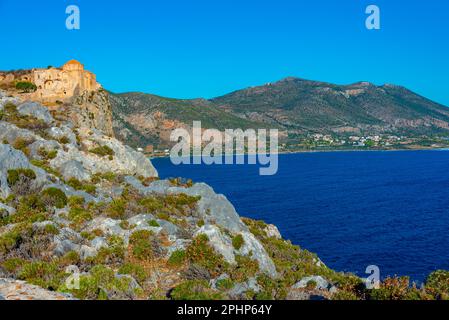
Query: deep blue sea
{"points": [[353, 209]]}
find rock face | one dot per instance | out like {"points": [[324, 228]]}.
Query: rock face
{"points": [[11, 289], [92, 109]]}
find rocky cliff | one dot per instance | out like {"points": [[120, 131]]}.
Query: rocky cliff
{"points": [[71, 92], [82, 216]]}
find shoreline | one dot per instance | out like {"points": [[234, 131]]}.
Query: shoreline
{"points": [[334, 150]]}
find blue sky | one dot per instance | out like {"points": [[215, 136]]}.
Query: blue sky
{"points": [[206, 48]]}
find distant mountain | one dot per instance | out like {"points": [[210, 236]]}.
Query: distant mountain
{"points": [[293, 105]]}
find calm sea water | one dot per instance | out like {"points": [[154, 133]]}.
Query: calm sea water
{"points": [[353, 209]]}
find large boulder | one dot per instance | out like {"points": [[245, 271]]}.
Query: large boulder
{"points": [[214, 208], [11, 289], [61, 132], [125, 160], [11, 158], [35, 110], [74, 169], [10, 133]]}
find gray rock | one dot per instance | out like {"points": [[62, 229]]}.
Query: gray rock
{"points": [[11, 158], [321, 283], [272, 231], [4, 99], [253, 248], [36, 110], [87, 252], [99, 242], [74, 169], [213, 282], [10, 211], [158, 187], [11, 133], [214, 208], [67, 240], [47, 145], [219, 241], [62, 132], [240, 289], [11, 289], [168, 227]]}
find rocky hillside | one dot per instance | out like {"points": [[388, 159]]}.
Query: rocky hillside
{"points": [[142, 119], [295, 106], [73, 199]]}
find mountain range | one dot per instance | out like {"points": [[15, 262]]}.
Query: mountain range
{"points": [[295, 106]]}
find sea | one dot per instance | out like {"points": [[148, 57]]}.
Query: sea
{"points": [[353, 209]]}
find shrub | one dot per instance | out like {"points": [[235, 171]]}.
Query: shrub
{"points": [[102, 151], [78, 185], [224, 284], [54, 197], [116, 209], [79, 216], [26, 86], [437, 283], [245, 268], [177, 258], [238, 241], [64, 140], [47, 155], [201, 253], [195, 290], [134, 270], [113, 254], [153, 223], [143, 244], [99, 283], [10, 107], [391, 289], [43, 274], [15, 175]]}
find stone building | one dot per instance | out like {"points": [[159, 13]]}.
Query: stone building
{"points": [[55, 84]]}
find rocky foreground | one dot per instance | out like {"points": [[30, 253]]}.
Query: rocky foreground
{"points": [[73, 199]]}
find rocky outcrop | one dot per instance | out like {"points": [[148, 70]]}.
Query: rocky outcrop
{"points": [[92, 109], [11, 289]]}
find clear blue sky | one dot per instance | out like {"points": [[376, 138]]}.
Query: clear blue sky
{"points": [[205, 48]]}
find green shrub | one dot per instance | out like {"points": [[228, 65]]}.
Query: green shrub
{"points": [[141, 244], [195, 290], [134, 270], [116, 209], [100, 281], [245, 268], [15, 174], [201, 253], [437, 283], [26, 86], [238, 242], [102, 151], [113, 254], [177, 258], [10, 108], [64, 140], [54, 197], [79, 216], [13, 265], [43, 274], [224, 284], [153, 223]]}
